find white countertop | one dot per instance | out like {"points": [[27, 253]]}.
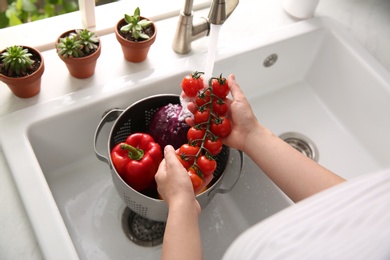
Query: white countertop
{"points": [[368, 21]]}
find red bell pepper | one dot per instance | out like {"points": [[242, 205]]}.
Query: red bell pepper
{"points": [[137, 159]]}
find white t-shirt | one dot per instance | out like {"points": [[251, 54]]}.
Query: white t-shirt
{"points": [[348, 221]]}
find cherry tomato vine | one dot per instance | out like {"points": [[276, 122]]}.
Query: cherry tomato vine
{"points": [[211, 124]]}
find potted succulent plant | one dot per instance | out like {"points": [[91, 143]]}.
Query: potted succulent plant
{"points": [[21, 68], [79, 49], [135, 34]]}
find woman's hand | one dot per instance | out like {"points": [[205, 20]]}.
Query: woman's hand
{"points": [[243, 120], [173, 182]]}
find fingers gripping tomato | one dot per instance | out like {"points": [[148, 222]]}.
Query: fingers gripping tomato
{"points": [[136, 160]]}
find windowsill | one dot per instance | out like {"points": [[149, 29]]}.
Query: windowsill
{"points": [[43, 34]]}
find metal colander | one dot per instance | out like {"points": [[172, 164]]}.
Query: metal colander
{"points": [[136, 118]]}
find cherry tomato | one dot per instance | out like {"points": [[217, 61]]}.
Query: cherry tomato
{"points": [[221, 127], [201, 116], [193, 83], [220, 87], [195, 135], [219, 107], [188, 152], [214, 147], [183, 160], [197, 182], [203, 98], [206, 165]]}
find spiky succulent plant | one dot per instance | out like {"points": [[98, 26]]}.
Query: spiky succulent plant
{"points": [[16, 60], [88, 39], [77, 44], [69, 47], [136, 25]]}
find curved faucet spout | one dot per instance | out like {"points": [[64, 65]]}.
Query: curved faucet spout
{"points": [[188, 31], [217, 14], [220, 10]]}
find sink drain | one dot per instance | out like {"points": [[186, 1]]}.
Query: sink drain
{"points": [[270, 60], [301, 143], [142, 231]]}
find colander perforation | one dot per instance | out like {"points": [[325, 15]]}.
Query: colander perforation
{"points": [[123, 132], [149, 115], [141, 210]]}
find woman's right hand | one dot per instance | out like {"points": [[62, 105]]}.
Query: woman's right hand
{"points": [[243, 120]]}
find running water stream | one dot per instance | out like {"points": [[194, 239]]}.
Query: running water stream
{"points": [[212, 49], [208, 70]]}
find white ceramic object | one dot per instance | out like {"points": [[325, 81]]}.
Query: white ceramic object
{"points": [[322, 85], [301, 9]]}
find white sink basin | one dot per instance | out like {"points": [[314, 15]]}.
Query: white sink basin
{"points": [[323, 85]]}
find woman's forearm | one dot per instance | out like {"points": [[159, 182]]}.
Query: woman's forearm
{"points": [[295, 174], [182, 238]]}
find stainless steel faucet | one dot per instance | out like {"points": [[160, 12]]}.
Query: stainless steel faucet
{"points": [[189, 30]]}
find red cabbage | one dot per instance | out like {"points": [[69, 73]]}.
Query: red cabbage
{"points": [[166, 127]]}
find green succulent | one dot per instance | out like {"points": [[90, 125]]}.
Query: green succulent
{"points": [[88, 39], [16, 60], [135, 25], [77, 44], [70, 47]]}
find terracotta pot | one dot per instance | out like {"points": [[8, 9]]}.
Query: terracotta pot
{"points": [[28, 86], [135, 51], [83, 67]]}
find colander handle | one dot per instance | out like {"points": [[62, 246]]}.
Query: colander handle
{"points": [[223, 191], [109, 116]]}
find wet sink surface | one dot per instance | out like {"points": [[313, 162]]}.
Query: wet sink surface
{"points": [[322, 85]]}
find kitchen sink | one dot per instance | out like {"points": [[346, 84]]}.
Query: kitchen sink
{"points": [[309, 79]]}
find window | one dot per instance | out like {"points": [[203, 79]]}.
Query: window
{"points": [[16, 12]]}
